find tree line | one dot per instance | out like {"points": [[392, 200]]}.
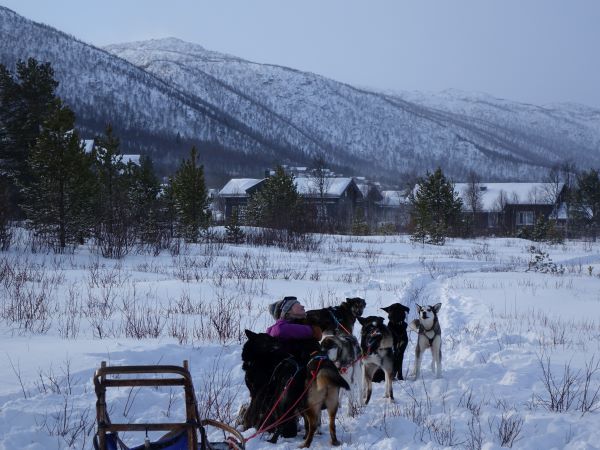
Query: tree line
{"points": [[66, 195], [438, 212]]}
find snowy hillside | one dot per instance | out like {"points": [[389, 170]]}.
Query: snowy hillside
{"points": [[500, 138], [521, 347], [166, 94]]}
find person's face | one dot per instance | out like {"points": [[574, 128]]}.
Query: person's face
{"points": [[298, 310]]}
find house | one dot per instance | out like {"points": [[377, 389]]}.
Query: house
{"points": [[508, 207], [334, 198], [88, 146], [393, 209], [236, 193]]}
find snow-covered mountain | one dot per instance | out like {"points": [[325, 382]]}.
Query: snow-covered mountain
{"points": [[249, 115]]}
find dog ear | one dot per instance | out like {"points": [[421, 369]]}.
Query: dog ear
{"points": [[419, 307], [405, 308], [362, 320], [387, 309], [436, 307], [250, 334]]}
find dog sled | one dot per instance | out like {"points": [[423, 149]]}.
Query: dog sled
{"points": [[188, 435]]}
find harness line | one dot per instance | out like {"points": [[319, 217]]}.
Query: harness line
{"points": [[283, 417]]}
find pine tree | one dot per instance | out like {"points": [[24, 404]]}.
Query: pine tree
{"points": [[26, 102], [586, 204], [278, 204], [436, 209], [5, 230], [191, 199], [233, 232], [360, 227], [58, 197], [143, 190], [112, 207]]}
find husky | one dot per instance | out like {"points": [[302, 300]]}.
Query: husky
{"points": [[323, 393], [376, 343], [429, 336], [285, 380], [344, 351], [337, 319]]}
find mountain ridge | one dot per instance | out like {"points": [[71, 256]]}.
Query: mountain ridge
{"points": [[165, 95]]}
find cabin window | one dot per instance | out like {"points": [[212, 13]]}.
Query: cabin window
{"points": [[525, 218], [492, 220]]}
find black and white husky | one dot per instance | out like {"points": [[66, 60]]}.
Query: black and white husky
{"points": [[343, 349], [429, 336], [376, 343]]}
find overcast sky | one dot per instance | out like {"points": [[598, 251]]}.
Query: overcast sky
{"points": [[537, 51]]}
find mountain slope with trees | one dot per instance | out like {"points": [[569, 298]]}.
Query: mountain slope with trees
{"points": [[163, 96]]}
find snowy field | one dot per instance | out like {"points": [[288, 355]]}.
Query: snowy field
{"points": [[521, 348]]}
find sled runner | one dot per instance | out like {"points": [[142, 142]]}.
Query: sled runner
{"points": [[188, 435]]}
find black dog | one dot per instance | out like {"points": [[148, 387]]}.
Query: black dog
{"points": [[260, 355], [397, 325], [270, 365], [337, 319], [376, 343]]}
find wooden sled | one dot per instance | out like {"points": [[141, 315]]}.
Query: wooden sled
{"points": [[188, 435]]}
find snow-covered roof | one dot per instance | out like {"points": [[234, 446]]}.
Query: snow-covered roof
{"points": [[238, 187], [514, 193], [364, 188], [393, 198], [88, 145], [334, 187], [135, 159]]}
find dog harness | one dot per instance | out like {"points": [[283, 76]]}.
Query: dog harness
{"points": [[423, 331], [336, 321]]}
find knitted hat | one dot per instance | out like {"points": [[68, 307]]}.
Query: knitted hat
{"points": [[280, 308]]}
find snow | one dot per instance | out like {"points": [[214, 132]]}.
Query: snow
{"points": [[514, 193], [501, 324], [393, 198], [239, 186], [333, 187]]}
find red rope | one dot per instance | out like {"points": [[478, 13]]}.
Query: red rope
{"points": [[283, 418]]}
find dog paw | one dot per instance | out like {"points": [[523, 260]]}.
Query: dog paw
{"points": [[336, 443]]}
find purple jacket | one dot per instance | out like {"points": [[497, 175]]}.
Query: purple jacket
{"points": [[285, 330]]}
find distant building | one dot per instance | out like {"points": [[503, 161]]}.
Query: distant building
{"points": [[88, 146], [394, 209], [334, 198], [236, 194], [507, 207]]}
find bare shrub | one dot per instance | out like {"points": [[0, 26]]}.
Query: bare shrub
{"points": [[141, 321], [218, 394], [29, 305], [188, 269], [560, 394], [507, 428], [283, 239], [225, 316], [69, 318], [72, 424], [443, 431], [474, 439], [589, 399]]}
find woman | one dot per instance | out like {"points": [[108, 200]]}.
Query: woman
{"points": [[288, 314]]}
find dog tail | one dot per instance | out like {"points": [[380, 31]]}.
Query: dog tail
{"points": [[329, 375]]}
